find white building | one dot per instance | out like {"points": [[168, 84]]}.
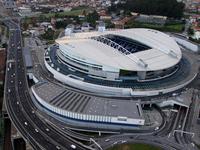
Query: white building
{"points": [[24, 11], [142, 51], [131, 62]]}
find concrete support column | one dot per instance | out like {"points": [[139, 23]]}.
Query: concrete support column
{"points": [[141, 74], [99, 133], [150, 105]]}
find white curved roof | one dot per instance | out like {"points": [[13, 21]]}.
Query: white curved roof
{"points": [[164, 51]]}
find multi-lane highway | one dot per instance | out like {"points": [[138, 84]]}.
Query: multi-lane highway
{"points": [[40, 134]]}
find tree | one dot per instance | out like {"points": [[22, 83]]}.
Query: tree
{"points": [[48, 35], [84, 12], [63, 23], [92, 18], [169, 8], [41, 18], [4, 45], [190, 31]]}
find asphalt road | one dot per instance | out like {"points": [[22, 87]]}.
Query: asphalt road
{"points": [[18, 101]]}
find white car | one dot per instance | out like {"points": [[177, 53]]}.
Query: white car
{"points": [[174, 94], [107, 140], [73, 146], [124, 141]]}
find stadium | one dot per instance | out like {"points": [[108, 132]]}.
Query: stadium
{"points": [[130, 62], [111, 73]]}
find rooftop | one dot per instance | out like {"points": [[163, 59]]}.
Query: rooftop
{"points": [[163, 51], [86, 104], [27, 56]]}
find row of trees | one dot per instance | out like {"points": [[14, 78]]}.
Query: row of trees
{"points": [[62, 23], [90, 18], [169, 8]]}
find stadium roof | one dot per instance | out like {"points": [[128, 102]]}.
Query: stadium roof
{"points": [[163, 53]]}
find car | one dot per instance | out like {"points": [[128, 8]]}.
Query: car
{"points": [[124, 141], [174, 94], [47, 129], [58, 147], [36, 130], [73, 146], [193, 144], [26, 123], [107, 140]]}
